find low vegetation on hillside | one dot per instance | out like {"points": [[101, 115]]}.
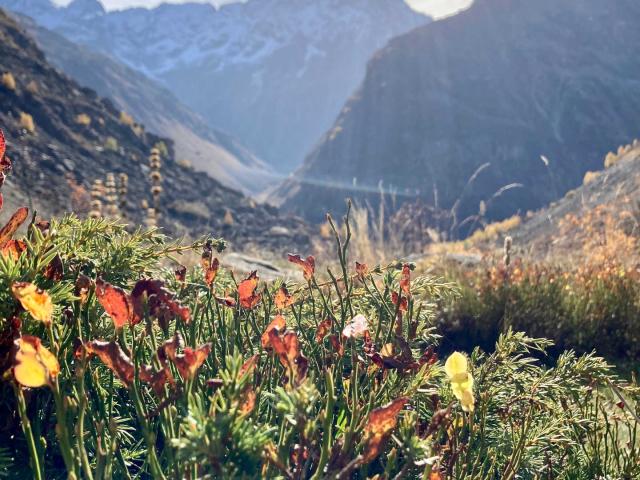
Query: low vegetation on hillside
{"points": [[119, 362]]}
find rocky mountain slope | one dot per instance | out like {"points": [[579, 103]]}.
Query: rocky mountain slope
{"points": [[505, 82], [214, 152], [62, 136], [274, 73]]}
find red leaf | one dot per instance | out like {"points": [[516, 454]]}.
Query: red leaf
{"points": [[115, 302], [3, 144], [308, 265], [247, 291], [336, 345], [113, 357]]}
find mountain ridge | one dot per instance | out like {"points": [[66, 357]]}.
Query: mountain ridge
{"points": [[62, 137], [504, 82], [275, 77]]}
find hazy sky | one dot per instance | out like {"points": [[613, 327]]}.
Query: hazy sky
{"points": [[437, 8]]}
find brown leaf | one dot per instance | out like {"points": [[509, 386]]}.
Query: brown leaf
{"points": [[324, 327], [13, 249], [379, 425], [83, 285], [336, 345], [181, 273], [283, 299], [250, 364], [55, 269], [248, 402], [116, 302], [161, 302], [279, 323], [247, 291], [362, 269], [308, 265], [113, 357], [226, 301], [16, 220]]}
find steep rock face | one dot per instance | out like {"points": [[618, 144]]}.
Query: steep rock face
{"points": [[505, 82], [214, 152], [273, 73], [57, 161]]}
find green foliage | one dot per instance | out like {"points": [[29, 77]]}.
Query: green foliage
{"points": [[301, 407]]}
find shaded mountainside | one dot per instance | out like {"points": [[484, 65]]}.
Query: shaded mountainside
{"points": [[505, 82], [214, 152], [273, 73], [55, 164]]}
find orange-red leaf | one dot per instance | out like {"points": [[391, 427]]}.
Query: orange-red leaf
{"points": [[191, 360], [379, 425], [116, 302], [247, 291], [287, 347], [323, 329], [404, 304], [279, 323], [13, 249], [3, 144], [17, 219], [211, 272], [405, 280], [283, 299], [308, 265], [188, 362]]}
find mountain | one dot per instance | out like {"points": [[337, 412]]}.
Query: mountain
{"points": [[505, 82], [273, 73], [214, 152], [61, 137]]}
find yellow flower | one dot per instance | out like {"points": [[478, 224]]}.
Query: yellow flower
{"points": [[34, 300], [461, 380], [34, 365]]}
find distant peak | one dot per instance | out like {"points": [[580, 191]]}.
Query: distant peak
{"points": [[85, 8]]}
